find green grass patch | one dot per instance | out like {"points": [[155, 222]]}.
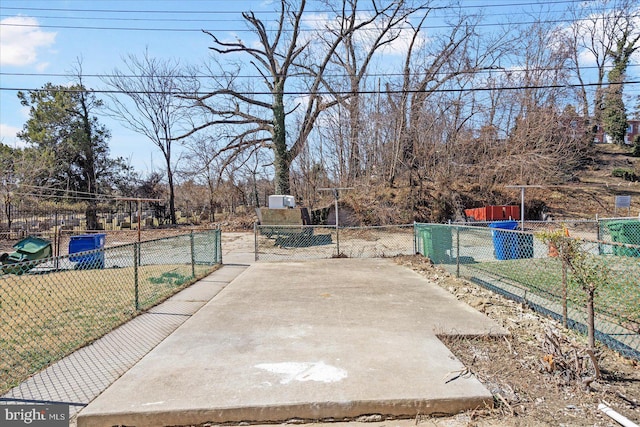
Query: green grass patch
{"points": [[618, 298], [170, 277]]}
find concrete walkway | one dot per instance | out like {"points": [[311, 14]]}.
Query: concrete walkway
{"points": [[310, 340]]}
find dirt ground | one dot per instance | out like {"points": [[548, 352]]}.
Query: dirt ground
{"points": [[541, 374]]}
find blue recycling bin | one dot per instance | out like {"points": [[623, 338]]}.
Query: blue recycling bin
{"points": [[91, 243], [522, 245], [503, 242]]}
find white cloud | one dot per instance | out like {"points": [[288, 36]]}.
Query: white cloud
{"points": [[8, 136], [598, 26], [41, 67], [21, 39], [365, 37]]}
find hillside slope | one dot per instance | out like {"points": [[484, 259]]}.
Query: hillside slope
{"points": [[591, 193], [594, 191]]}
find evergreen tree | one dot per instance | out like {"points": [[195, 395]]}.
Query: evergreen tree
{"points": [[62, 121]]}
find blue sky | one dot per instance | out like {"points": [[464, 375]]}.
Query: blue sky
{"points": [[51, 35], [40, 41]]}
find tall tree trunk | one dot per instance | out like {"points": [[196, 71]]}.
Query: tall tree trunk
{"points": [[91, 215], [212, 205], [281, 162], [89, 168]]}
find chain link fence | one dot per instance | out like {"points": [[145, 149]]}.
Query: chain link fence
{"points": [[619, 230], [583, 228], [283, 243], [51, 306], [61, 238], [522, 266]]}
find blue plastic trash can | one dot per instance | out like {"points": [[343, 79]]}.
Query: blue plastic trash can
{"points": [[84, 243], [503, 242]]}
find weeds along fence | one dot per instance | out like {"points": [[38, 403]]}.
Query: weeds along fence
{"points": [[521, 266], [54, 305], [282, 243]]}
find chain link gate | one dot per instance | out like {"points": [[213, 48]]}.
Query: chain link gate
{"points": [[285, 243]]}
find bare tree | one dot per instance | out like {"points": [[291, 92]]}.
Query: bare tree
{"points": [[541, 141], [292, 65], [152, 106], [428, 69], [355, 55], [203, 166], [596, 28]]}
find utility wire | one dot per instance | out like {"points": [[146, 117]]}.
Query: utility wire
{"points": [[200, 12], [240, 30], [255, 76], [174, 19], [303, 93], [68, 194]]}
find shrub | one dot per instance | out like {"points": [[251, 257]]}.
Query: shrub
{"points": [[626, 174], [636, 146]]}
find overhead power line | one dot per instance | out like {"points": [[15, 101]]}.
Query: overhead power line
{"points": [[217, 12], [246, 30], [61, 193], [146, 18], [255, 76], [183, 20], [304, 93]]}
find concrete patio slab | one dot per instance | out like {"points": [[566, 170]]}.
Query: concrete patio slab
{"points": [[308, 340]]}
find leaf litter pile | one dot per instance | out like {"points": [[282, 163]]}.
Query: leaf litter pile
{"points": [[542, 374]]}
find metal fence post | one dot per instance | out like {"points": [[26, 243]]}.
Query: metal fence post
{"points": [[458, 251], [216, 253], [415, 239], [255, 240], [337, 235], [219, 243], [193, 254], [136, 253], [598, 236]]}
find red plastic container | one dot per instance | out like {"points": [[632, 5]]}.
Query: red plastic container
{"points": [[493, 213]]}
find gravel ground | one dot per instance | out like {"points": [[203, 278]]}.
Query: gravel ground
{"points": [[533, 375]]}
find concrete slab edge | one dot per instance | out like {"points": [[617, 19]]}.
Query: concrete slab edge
{"points": [[303, 412]]}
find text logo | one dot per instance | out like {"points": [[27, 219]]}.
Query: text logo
{"points": [[34, 415]]}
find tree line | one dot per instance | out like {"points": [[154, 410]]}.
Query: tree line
{"points": [[370, 96]]}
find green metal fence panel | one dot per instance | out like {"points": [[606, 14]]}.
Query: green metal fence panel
{"points": [[283, 243], [521, 266], [50, 307]]}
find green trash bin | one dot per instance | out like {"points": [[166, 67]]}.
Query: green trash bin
{"points": [[436, 243], [625, 231], [29, 253]]}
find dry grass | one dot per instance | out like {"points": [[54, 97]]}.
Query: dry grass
{"points": [[528, 390]]}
